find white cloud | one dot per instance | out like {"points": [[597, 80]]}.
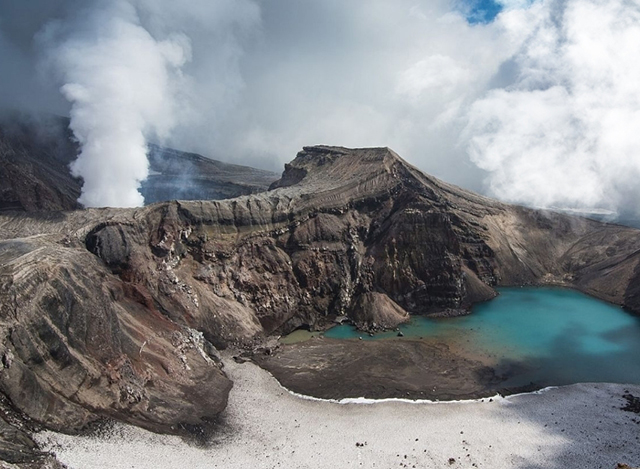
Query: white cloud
{"points": [[121, 65], [118, 79], [349, 74], [438, 73], [544, 99], [565, 132]]}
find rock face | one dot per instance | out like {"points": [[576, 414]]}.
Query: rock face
{"points": [[118, 313], [78, 345], [34, 159]]}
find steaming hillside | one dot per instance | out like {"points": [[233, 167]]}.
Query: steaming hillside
{"points": [[118, 312], [177, 175], [34, 170]]}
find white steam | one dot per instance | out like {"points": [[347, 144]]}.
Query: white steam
{"points": [[566, 131], [122, 84]]}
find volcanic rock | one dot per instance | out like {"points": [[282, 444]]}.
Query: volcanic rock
{"points": [[34, 159], [118, 312], [78, 345], [376, 311]]}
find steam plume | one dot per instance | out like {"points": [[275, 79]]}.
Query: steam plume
{"points": [[121, 83]]}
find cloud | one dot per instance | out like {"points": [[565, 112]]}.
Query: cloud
{"points": [[362, 75], [536, 103], [564, 132], [266, 78], [435, 73]]}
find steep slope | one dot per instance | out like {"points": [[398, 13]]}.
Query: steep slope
{"points": [[102, 309], [79, 345], [34, 159]]}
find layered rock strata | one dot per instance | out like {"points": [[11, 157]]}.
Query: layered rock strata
{"points": [[118, 313]]}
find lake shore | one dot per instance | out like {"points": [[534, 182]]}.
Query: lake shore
{"points": [[525, 339], [381, 369], [265, 426]]}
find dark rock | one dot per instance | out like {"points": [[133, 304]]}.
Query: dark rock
{"points": [[110, 244], [633, 403], [34, 158]]}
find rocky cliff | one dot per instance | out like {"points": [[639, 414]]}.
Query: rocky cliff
{"points": [[119, 312]]}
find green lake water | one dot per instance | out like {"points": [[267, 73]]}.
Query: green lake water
{"points": [[544, 336]]}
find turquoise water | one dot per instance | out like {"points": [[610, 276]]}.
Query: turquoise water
{"points": [[541, 336]]}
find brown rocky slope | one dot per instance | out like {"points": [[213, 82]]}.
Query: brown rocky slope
{"points": [[118, 312]]}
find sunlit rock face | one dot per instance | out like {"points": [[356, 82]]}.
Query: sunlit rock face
{"points": [[119, 312]]}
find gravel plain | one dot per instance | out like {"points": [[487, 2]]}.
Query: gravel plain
{"points": [[265, 426]]}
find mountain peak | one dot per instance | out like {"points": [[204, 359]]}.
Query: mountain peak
{"points": [[337, 166]]}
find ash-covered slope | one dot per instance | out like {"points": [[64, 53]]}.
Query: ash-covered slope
{"points": [[35, 155], [102, 309]]}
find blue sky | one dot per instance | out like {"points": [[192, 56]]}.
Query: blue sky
{"points": [[480, 11]]}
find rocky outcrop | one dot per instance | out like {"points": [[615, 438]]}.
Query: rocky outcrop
{"points": [[376, 311], [17, 449], [34, 159], [78, 345], [118, 313]]}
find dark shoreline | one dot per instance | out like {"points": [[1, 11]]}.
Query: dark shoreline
{"points": [[393, 368], [412, 367]]}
